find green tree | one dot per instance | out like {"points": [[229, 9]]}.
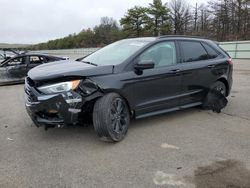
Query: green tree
{"points": [[135, 20], [107, 32], [86, 38], [159, 18]]}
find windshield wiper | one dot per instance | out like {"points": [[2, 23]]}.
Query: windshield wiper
{"points": [[89, 63]]}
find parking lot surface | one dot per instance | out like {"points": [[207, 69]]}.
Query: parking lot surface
{"points": [[190, 148]]}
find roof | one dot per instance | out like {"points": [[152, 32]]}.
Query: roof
{"points": [[150, 39]]}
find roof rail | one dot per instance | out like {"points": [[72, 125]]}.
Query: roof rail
{"points": [[181, 36], [186, 36]]}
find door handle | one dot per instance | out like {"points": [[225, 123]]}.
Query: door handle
{"points": [[211, 66], [175, 71]]}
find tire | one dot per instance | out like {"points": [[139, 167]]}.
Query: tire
{"points": [[111, 118], [221, 87]]}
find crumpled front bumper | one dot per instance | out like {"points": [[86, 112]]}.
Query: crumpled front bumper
{"points": [[55, 110]]}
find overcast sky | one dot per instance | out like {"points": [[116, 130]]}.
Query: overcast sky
{"points": [[34, 21]]}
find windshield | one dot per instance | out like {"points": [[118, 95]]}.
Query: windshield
{"points": [[115, 53]]}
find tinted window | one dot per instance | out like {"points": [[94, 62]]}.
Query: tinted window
{"points": [[162, 54], [193, 51], [211, 52]]}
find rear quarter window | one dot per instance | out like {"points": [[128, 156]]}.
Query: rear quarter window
{"points": [[193, 51], [212, 54], [224, 51]]}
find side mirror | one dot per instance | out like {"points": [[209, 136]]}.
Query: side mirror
{"points": [[145, 64]]}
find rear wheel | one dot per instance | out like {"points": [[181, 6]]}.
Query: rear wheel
{"points": [[111, 117], [220, 86]]}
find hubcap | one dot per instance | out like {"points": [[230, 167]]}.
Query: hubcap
{"points": [[119, 115], [221, 89]]}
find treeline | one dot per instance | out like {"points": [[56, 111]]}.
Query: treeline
{"points": [[221, 20], [105, 33]]}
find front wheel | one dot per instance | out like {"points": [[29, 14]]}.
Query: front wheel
{"points": [[111, 117]]}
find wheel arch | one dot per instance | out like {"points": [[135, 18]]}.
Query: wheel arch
{"points": [[93, 98]]}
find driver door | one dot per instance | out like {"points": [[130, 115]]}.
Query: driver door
{"points": [[157, 90], [16, 68]]}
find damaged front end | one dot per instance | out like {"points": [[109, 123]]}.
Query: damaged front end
{"points": [[50, 109]]}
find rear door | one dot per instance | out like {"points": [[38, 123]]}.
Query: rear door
{"points": [[197, 71], [17, 67]]}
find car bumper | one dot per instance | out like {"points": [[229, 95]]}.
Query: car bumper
{"points": [[57, 110], [230, 80]]}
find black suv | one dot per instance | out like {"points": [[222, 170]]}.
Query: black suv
{"points": [[132, 78]]}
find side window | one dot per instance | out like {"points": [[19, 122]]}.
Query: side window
{"points": [[162, 54], [16, 61], [35, 60], [43, 59], [193, 51], [212, 54]]}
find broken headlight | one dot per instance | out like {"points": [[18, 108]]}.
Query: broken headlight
{"points": [[88, 87], [59, 87]]}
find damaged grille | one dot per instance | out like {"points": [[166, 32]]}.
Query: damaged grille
{"points": [[30, 97], [30, 82]]}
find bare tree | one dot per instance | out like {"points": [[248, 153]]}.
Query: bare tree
{"points": [[181, 16], [230, 19]]}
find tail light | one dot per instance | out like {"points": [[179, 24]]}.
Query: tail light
{"points": [[230, 61]]}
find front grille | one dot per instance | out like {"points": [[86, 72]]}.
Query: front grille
{"points": [[30, 97], [30, 82]]}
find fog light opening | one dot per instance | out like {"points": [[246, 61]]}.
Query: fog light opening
{"points": [[52, 111]]}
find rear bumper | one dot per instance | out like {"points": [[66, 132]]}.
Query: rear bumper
{"points": [[50, 111], [230, 86], [230, 80]]}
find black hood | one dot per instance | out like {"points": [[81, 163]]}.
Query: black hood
{"points": [[64, 68]]}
